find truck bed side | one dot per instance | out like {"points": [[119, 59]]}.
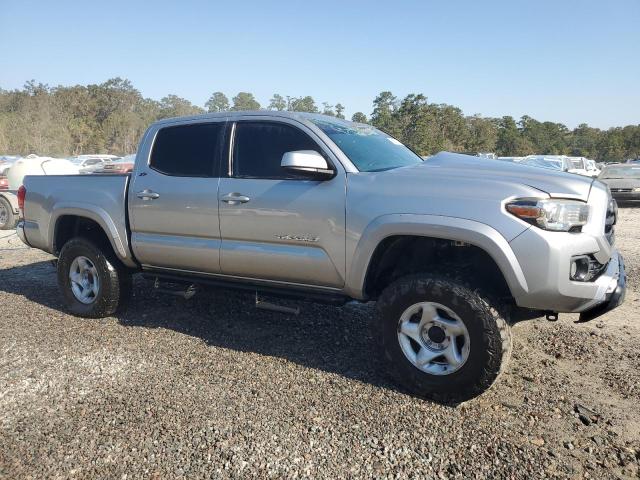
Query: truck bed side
{"points": [[100, 198]]}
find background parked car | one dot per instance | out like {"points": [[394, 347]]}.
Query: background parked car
{"points": [[118, 165], [30, 165], [554, 162], [623, 179], [5, 162], [551, 164], [90, 163], [87, 165]]}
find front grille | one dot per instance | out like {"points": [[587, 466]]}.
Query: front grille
{"points": [[622, 190], [610, 221]]}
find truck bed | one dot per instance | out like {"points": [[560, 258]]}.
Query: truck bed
{"points": [[101, 197]]}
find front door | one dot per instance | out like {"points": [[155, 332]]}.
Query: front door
{"points": [[173, 201], [275, 226]]}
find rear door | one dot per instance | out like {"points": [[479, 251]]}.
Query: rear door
{"points": [[173, 200], [276, 226]]}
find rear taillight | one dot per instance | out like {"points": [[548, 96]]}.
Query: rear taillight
{"points": [[22, 193], [4, 183]]}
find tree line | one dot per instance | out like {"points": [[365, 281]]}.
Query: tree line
{"points": [[112, 116]]}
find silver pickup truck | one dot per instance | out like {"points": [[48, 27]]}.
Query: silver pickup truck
{"points": [[453, 248]]}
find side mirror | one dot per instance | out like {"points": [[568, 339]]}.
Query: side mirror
{"points": [[307, 163]]}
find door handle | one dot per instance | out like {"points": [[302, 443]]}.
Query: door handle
{"points": [[147, 194], [234, 198]]}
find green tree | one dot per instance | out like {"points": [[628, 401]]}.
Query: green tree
{"points": [[245, 101], [328, 109], [303, 104], [546, 137], [383, 117], [359, 117], [584, 141], [510, 141], [175, 106], [415, 125], [110, 117], [218, 102], [277, 102], [482, 134], [339, 110]]}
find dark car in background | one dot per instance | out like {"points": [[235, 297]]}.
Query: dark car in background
{"points": [[623, 179]]}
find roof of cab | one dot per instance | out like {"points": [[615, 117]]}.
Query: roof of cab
{"points": [[249, 113]]}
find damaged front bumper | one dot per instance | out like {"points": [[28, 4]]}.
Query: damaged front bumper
{"points": [[614, 294]]}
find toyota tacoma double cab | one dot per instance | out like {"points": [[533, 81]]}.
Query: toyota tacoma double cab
{"points": [[453, 249]]}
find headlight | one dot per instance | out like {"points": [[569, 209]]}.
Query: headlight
{"points": [[553, 214], [637, 189]]}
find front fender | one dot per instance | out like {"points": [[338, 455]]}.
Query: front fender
{"points": [[436, 226]]}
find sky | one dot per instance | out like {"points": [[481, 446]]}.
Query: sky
{"points": [[563, 60]]}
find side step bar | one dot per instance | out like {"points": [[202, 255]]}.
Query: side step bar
{"points": [[309, 295], [272, 307], [187, 294]]}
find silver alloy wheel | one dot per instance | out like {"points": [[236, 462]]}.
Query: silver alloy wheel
{"points": [[433, 338], [85, 282], [4, 214]]}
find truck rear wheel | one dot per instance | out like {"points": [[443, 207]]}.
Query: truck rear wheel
{"points": [[93, 282], [7, 217], [440, 338]]}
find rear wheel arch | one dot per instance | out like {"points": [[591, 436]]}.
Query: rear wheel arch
{"points": [[68, 227], [116, 232]]}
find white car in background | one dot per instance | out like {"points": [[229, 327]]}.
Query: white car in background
{"points": [[578, 165], [87, 165], [554, 162], [92, 162], [592, 168], [5, 163], [29, 165]]}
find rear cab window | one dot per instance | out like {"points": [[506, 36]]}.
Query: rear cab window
{"points": [[191, 150]]}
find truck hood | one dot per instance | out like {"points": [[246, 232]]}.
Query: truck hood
{"points": [[554, 183]]}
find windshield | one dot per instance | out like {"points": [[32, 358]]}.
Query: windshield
{"points": [[369, 149], [621, 172]]}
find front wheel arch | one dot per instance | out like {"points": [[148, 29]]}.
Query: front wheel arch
{"points": [[452, 229]]}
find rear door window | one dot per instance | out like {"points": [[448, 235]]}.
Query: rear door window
{"points": [[188, 150]]}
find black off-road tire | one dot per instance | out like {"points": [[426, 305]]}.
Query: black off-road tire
{"points": [[12, 219], [115, 280], [489, 333]]}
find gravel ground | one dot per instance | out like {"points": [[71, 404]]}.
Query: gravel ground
{"points": [[214, 388]]}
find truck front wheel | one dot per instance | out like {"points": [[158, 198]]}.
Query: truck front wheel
{"points": [[440, 338], [93, 282]]}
